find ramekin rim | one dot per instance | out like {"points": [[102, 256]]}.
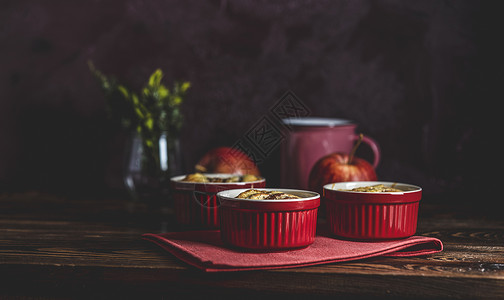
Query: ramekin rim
{"points": [[415, 190], [314, 197], [177, 179]]}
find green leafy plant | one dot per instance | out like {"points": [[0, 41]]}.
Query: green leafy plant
{"points": [[152, 112]]}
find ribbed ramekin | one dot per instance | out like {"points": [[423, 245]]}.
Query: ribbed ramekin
{"points": [[196, 205], [371, 216], [268, 224]]}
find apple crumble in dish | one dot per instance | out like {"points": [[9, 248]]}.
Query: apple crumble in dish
{"points": [[378, 188], [199, 177], [265, 195]]}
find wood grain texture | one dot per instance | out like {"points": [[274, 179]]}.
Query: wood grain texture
{"points": [[61, 248]]}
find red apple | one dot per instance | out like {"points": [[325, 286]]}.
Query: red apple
{"points": [[339, 167], [336, 168], [227, 160]]}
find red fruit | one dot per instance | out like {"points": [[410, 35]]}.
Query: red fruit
{"points": [[340, 167], [227, 160]]}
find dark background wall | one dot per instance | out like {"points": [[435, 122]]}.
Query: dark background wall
{"points": [[423, 78]]}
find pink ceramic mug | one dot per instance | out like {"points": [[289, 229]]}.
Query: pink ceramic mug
{"points": [[309, 139]]}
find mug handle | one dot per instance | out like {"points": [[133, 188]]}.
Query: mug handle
{"points": [[374, 147]]}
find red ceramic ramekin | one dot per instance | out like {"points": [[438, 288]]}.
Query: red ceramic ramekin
{"points": [[196, 204], [268, 224], [371, 216]]}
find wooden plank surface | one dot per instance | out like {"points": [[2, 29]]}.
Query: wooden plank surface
{"points": [[58, 247]]}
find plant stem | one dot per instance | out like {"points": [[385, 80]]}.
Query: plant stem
{"points": [[352, 153]]}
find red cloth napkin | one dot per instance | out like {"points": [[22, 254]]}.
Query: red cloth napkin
{"points": [[205, 250]]}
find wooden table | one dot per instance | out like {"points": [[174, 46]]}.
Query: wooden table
{"points": [[55, 247]]}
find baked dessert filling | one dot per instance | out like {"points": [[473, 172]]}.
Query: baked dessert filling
{"points": [[377, 188], [199, 177], [265, 195]]}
